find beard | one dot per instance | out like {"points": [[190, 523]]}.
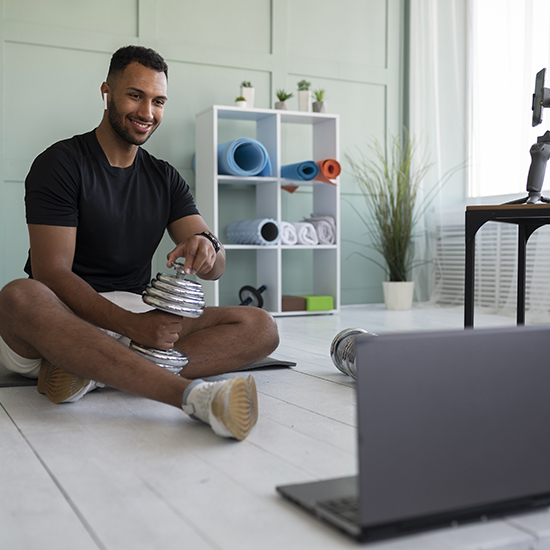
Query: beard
{"points": [[117, 123]]}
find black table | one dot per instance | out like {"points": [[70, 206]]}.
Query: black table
{"points": [[528, 217]]}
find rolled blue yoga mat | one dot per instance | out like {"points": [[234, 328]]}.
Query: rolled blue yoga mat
{"points": [[305, 171], [243, 157]]}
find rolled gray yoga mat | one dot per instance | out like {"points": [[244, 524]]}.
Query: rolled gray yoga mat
{"points": [[261, 231]]}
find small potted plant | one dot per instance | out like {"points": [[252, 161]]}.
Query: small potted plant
{"points": [[304, 95], [247, 91], [282, 97], [319, 105], [240, 102]]}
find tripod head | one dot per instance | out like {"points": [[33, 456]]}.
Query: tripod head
{"points": [[540, 151]]}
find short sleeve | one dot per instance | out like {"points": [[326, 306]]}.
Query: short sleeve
{"points": [[181, 200], [51, 190]]}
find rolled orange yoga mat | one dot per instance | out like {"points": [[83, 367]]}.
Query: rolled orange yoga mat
{"points": [[329, 169]]}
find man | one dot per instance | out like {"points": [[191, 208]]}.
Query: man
{"points": [[97, 206]]}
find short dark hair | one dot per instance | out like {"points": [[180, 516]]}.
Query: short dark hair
{"points": [[128, 54]]}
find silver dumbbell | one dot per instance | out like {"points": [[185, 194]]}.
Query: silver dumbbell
{"points": [[179, 296], [342, 350]]}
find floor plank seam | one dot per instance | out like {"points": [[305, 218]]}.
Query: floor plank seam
{"points": [[346, 382], [174, 509], [343, 383], [305, 470], [523, 528], [305, 409], [89, 529]]}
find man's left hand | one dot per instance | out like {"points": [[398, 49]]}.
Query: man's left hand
{"points": [[199, 255]]}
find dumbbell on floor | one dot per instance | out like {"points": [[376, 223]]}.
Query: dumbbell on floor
{"points": [[251, 296], [179, 296], [342, 350]]}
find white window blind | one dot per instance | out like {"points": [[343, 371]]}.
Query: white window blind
{"points": [[495, 269]]}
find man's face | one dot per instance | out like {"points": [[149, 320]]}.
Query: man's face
{"points": [[136, 104]]}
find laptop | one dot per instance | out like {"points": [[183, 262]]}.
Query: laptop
{"points": [[453, 426]]}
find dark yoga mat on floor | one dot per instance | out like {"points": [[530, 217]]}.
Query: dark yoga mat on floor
{"points": [[11, 379], [8, 378], [267, 362]]}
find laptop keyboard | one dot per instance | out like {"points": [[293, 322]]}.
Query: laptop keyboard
{"points": [[347, 507]]}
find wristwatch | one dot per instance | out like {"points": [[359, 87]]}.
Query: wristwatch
{"points": [[210, 236]]}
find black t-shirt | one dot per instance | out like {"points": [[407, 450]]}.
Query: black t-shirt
{"points": [[120, 213]]}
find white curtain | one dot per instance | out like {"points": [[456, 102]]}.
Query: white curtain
{"points": [[438, 118]]}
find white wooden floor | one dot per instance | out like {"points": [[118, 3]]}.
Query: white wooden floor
{"points": [[120, 472]]}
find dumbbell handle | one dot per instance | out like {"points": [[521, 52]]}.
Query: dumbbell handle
{"points": [[176, 295]]}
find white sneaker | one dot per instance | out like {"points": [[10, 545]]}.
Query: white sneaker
{"points": [[229, 406]]}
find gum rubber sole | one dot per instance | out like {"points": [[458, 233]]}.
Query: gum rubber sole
{"points": [[58, 385], [236, 406]]}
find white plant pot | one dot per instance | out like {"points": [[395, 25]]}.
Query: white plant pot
{"points": [[320, 107], [281, 105], [304, 100], [241, 104], [248, 94], [398, 296]]}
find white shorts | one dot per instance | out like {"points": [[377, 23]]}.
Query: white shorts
{"points": [[31, 367]]}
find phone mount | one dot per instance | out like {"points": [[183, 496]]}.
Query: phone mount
{"points": [[540, 151]]}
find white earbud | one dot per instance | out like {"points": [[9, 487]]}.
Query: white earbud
{"points": [[105, 101]]}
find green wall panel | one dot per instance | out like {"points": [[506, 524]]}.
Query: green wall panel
{"points": [[15, 237], [243, 25], [347, 30], [105, 16], [361, 279], [59, 89]]}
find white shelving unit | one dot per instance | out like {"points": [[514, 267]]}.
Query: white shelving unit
{"points": [[269, 127]]}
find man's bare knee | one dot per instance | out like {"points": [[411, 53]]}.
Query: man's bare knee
{"points": [[262, 325], [19, 302], [23, 300], [21, 294]]}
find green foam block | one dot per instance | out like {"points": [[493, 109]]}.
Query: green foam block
{"points": [[318, 303]]}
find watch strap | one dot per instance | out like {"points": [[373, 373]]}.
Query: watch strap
{"points": [[210, 236]]}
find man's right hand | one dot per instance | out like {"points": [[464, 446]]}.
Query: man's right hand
{"points": [[155, 329]]}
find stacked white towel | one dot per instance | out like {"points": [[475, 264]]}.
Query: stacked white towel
{"points": [[306, 233], [288, 233], [325, 227]]}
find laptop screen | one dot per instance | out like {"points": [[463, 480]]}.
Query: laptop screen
{"points": [[452, 421]]}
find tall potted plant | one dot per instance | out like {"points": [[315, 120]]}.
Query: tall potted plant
{"points": [[247, 91], [304, 95], [391, 186]]}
